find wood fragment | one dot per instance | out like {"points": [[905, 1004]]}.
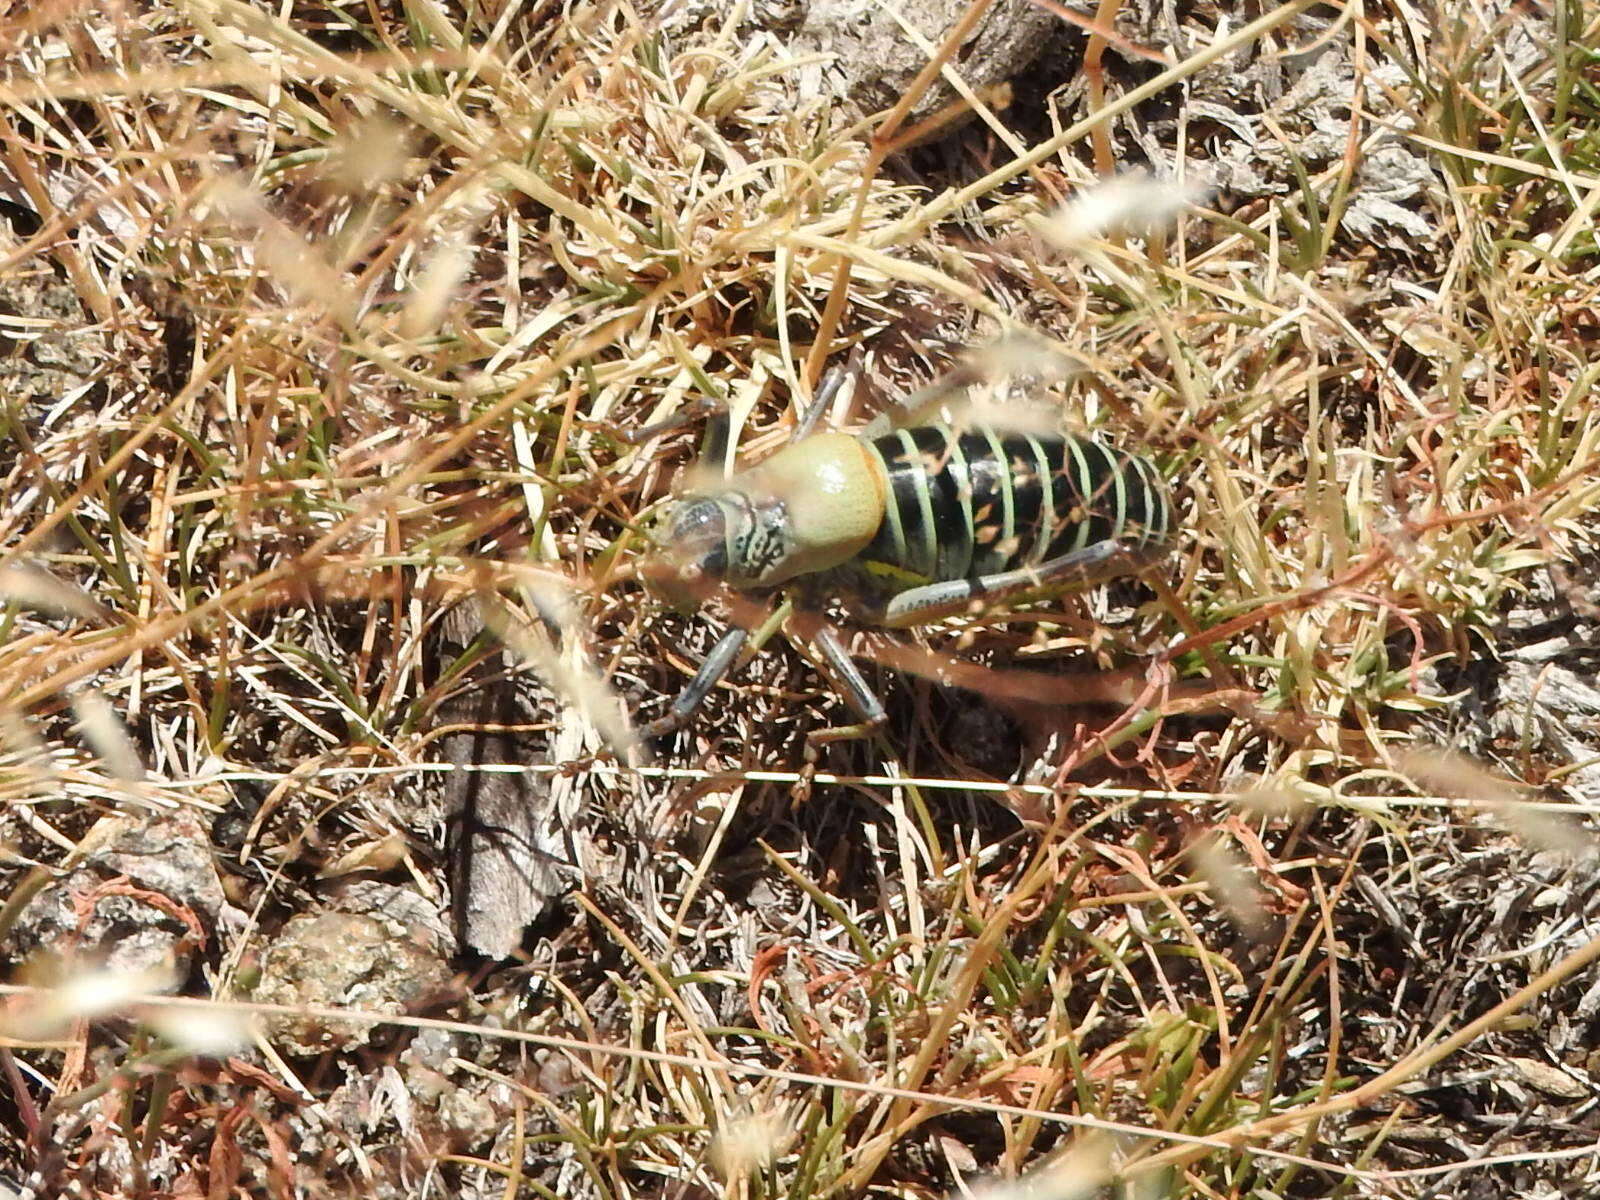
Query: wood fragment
{"points": [[510, 853]]}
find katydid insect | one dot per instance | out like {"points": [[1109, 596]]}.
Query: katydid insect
{"points": [[904, 526]]}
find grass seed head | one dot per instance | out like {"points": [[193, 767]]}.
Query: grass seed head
{"points": [[79, 994], [1134, 203], [745, 1145]]}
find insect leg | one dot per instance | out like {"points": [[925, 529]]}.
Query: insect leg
{"points": [[826, 391], [694, 408], [911, 410], [935, 600], [857, 690], [713, 446], [707, 677]]}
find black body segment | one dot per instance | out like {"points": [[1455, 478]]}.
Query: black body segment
{"points": [[975, 504]]}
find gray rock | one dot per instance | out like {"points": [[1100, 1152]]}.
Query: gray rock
{"points": [[873, 60], [343, 960], [144, 898]]}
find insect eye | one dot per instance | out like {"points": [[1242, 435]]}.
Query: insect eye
{"points": [[696, 521], [698, 537]]}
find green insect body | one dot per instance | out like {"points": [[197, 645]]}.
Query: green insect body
{"points": [[911, 525], [917, 522]]}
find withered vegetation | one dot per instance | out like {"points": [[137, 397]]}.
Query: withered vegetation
{"points": [[1267, 874]]}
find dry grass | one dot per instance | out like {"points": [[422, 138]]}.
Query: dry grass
{"points": [[324, 318]]}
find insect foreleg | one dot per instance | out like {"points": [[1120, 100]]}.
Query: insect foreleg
{"points": [[713, 445], [719, 420], [694, 408], [707, 677], [935, 600]]}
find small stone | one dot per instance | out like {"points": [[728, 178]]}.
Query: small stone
{"points": [[1552, 1081], [145, 897], [471, 1118], [342, 960]]}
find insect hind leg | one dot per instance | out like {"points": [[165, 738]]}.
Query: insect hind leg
{"points": [[932, 601]]}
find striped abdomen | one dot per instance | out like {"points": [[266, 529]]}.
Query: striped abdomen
{"points": [[973, 504]]}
